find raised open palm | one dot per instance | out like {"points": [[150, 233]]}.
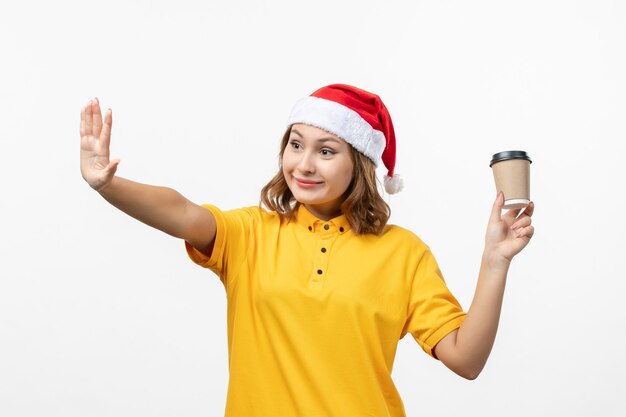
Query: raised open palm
{"points": [[95, 136]]}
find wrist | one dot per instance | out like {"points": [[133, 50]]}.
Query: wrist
{"points": [[103, 188], [494, 260]]}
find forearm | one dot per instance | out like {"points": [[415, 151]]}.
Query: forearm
{"points": [[477, 334], [466, 350], [160, 207]]}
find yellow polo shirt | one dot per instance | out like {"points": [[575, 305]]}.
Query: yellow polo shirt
{"points": [[315, 312]]}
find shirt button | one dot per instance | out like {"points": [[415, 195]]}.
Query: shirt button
{"points": [[326, 227], [341, 229], [319, 272], [323, 250], [310, 228]]}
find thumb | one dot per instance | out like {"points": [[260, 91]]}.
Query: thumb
{"points": [[112, 167], [496, 210]]}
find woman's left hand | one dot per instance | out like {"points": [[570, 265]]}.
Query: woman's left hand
{"points": [[508, 233]]}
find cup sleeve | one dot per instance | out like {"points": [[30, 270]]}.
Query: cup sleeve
{"points": [[433, 312]]}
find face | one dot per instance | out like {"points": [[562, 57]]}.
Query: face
{"points": [[318, 168]]}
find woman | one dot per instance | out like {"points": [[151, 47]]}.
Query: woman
{"points": [[320, 289]]}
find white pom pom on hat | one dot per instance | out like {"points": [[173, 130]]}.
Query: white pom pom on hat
{"points": [[358, 117]]}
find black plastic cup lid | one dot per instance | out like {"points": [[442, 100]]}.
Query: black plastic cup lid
{"points": [[507, 155]]}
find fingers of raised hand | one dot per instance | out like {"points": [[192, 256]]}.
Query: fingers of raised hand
{"points": [[82, 122], [96, 117], [86, 120], [91, 119], [105, 134], [95, 132]]}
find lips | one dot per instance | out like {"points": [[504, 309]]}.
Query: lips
{"points": [[306, 183]]}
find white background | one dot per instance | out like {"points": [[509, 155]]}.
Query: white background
{"points": [[103, 316]]}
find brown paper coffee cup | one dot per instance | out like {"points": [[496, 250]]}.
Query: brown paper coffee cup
{"points": [[511, 172]]}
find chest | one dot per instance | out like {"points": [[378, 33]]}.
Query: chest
{"points": [[330, 278]]}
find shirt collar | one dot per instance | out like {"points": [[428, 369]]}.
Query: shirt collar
{"points": [[307, 220]]}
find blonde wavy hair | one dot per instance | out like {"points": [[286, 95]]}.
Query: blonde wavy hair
{"points": [[363, 206]]}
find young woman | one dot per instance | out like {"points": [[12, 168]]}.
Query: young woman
{"points": [[320, 288]]}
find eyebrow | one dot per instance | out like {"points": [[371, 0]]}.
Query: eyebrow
{"points": [[324, 139]]}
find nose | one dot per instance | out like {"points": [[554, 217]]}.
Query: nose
{"points": [[306, 163]]}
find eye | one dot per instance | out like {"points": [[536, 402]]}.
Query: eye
{"points": [[295, 144], [327, 152]]}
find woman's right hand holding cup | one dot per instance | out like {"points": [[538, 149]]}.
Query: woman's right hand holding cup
{"points": [[95, 136]]}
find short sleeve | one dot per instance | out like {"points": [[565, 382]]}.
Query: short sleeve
{"points": [[232, 238], [433, 312]]}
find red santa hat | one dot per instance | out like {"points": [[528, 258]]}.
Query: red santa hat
{"points": [[358, 117]]}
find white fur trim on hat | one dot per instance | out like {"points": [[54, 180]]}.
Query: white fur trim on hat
{"points": [[341, 121]]}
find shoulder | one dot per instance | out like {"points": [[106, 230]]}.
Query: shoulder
{"points": [[394, 242], [254, 215], [397, 234]]}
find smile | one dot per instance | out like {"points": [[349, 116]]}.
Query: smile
{"points": [[306, 183]]}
